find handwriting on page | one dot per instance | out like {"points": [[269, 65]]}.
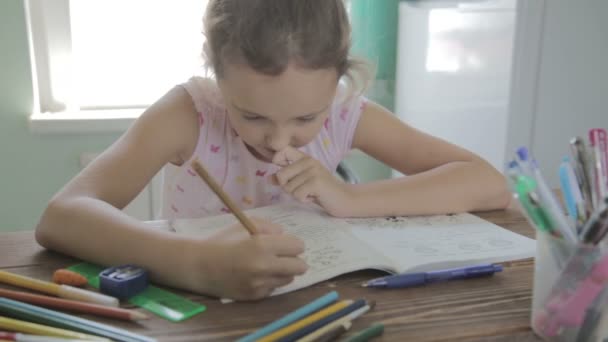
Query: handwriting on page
{"points": [[426, 243], [330, 248]]}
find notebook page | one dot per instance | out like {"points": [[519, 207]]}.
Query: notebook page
{"points": [[444, 241], [330, 248]]}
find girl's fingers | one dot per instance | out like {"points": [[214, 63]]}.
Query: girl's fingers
{"points": [[282, 245], [287, 156], [285, 267], [298, 181], [284, 175], [268, 286], [266, 227], [305, 192], [279, 281]]}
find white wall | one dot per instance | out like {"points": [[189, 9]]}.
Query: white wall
{"points": [[572, 84]]}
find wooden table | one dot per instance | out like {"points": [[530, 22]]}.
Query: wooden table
{"points": [[489, 309]]}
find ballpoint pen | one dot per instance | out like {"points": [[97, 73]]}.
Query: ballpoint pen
{"points": [[553, 207], [582, 172], [596, 227], [422, 278], [525, 188], [571, 193], [545, 196], [599, 142]]}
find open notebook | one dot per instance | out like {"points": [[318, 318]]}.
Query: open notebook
{"points": [[395, 244]]}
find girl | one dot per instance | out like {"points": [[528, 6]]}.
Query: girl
{"points": [[271, 126]]}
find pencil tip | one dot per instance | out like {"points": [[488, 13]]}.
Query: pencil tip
{"points": [[364, 285], [136, 316]]}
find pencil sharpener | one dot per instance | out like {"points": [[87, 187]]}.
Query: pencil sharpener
{"points": [[123, 281]]}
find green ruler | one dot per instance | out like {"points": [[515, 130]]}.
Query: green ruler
{"points": [[156, 300]]}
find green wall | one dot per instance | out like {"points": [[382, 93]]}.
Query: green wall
{"points": [[33, 166], [374, 27]]}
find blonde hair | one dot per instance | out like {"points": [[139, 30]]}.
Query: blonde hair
{"points": [[267, 35]]}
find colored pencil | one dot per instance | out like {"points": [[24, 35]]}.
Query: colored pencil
{"points": [[306, 321], [63, 291], [72, 305], [345, 322], [333, 333], [368, 333], [317, 324], [19, 337], [40, 315], [206, 177], [293, 316], [39, 329]]}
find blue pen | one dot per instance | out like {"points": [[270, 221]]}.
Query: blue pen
{"points": [[292, 317], [564, 181], [422, 278], [572, 193]]}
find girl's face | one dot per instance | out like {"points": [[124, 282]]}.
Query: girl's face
{"points": [[270, 113]]}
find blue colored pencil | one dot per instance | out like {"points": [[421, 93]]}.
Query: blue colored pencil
{"points": [[359, 303], [296, 315], [40, 315]]}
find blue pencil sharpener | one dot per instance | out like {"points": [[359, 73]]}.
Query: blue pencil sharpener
{"points": [[123, 282]]}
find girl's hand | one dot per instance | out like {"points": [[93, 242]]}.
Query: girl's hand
{"points": [[244, 267], [306, 179]]}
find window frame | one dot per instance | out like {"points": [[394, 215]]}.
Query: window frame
{"points": [[49, 40]]}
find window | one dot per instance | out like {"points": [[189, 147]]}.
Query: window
{"points": [[104, 57]]}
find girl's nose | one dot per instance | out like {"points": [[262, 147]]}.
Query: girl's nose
{"points": [[277, 140]]}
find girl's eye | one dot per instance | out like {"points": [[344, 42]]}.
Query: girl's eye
{"points": [[307, 118], [251, 117]]}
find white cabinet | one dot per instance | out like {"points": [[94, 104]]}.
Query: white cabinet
{"points": [[454, 69]]}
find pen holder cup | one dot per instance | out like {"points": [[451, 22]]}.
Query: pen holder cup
{"points": [[570, 291]]}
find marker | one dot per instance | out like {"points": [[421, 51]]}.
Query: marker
{"points": [[422, 278]]}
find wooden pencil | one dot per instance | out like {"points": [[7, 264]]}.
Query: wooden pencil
{"points": [[63, 291], [321, 314], [20, 337], [40, 329], [345, 322], [71, 305], [217, 189], [61, 320]]}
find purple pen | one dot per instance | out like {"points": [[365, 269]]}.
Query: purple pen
{"points": [[421, 278]]}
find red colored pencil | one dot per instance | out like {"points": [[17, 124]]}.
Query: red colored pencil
{"points": [[72, 305]]}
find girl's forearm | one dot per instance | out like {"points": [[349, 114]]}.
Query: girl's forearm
{"points": [[92, 230], [451, 188]]}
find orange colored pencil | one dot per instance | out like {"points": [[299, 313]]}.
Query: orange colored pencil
{"points": [[72, 305]]}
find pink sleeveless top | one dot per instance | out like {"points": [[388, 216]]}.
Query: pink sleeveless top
{"points": [[244, 178]]}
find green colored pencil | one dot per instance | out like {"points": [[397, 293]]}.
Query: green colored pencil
{"points": [[368, 333]]}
